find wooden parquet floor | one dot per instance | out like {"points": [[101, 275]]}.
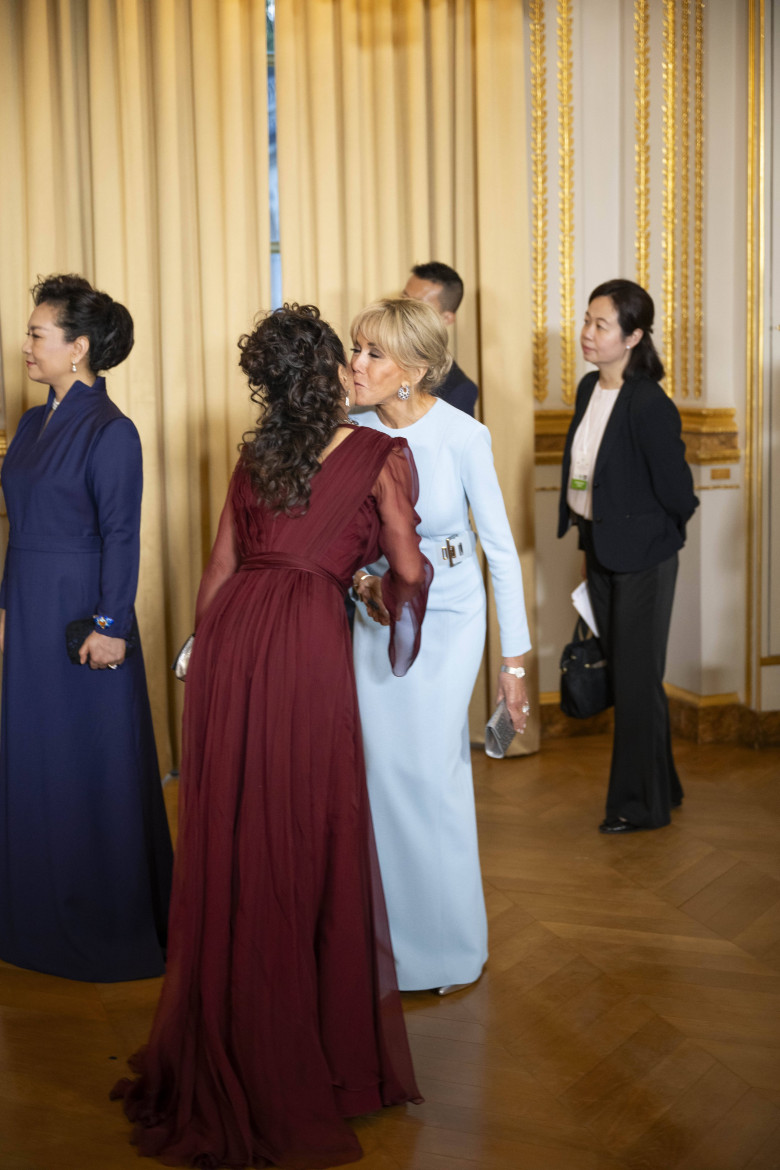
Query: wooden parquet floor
{"points": [[629, 1018]]}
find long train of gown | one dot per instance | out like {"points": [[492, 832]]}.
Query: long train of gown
{"points": [[280, 1014]]}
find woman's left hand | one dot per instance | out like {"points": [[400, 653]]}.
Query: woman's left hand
{"points": [[102, 652], [369, 590], [512, 691]]}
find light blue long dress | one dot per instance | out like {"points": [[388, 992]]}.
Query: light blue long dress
{"points": [[415, 728]]}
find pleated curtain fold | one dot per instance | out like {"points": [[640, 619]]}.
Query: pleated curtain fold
{"points": [[135, 151], [401, 139]]}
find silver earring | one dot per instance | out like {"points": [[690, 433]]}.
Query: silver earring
{"points": [[403, 392], [74, 367], [346, 400]]}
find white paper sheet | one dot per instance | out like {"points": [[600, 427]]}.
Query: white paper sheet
{"points": [[581, 601]]}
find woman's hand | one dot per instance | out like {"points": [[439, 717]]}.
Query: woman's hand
{"points": [[101, 651], [369, 590], [2, 631], [512, 691]]}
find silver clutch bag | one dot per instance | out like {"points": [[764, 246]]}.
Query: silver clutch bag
{"points": [[499, 732], [182, 659]]}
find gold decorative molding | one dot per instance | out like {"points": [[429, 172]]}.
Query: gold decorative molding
{"points": [[698, 200], [642, 140], [685, 193], [669, 191], [566, 198], [550, 430], [3, 444], [539, 199], [710, 435], [699, 718], [754, 347]]}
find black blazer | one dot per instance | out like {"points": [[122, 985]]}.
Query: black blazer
{"points": [[458, 390], [642, 487]]}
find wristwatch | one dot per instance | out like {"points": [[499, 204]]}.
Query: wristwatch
{"points": [[517, 671]]}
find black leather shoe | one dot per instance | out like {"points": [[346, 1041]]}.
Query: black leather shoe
{"points": [[615, 825]]}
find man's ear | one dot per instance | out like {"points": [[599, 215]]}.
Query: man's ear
{"points": [[448, 317]]}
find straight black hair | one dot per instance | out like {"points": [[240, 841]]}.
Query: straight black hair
{"points": [[635, 310]]}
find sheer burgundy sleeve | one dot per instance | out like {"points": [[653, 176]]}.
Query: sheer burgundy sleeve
{"points": [[223, 561], [405, 585]]}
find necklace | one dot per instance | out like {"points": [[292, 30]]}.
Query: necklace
{"points": [[54, 403]]}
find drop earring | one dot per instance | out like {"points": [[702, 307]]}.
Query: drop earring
{"points": [[346, 400], [403, 392], [74, 367]]}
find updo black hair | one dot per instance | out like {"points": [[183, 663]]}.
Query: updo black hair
{"points": [[82, 311], [292, 361], [635, 310]]}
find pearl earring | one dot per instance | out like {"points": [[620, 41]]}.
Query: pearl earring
{"points": [[74, 367], [403, 392]]}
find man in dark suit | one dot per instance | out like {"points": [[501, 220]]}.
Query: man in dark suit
{"points": [[440, 286]]}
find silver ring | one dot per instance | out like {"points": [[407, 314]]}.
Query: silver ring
{"points": [[113, 666], [525, 709]]}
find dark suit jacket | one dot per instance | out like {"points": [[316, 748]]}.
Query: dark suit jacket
{"points": [[459, 390], [642, 487]]}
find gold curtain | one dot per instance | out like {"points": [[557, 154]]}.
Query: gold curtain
{"points": [[401, 138], [135, 151]]}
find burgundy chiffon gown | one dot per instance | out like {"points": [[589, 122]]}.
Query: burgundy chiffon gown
{"points": [[280, 1014]]}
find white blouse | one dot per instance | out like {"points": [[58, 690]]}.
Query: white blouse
{"points": [[585, 448]]}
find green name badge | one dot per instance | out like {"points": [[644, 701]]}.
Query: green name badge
{"points": [[579, 485]]}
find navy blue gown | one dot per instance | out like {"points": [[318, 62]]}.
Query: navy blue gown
{"points": [[85, 852]]}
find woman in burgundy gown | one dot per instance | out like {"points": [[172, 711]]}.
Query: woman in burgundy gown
{"points": [[280, 1014]]}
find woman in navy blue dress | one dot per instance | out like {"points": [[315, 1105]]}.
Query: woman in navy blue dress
{"points": [[85, 852]]}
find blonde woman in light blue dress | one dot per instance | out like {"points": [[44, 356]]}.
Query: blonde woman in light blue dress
{"points": [[415, 729]]}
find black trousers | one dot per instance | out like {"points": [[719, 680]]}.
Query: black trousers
{"points": [[633, 612]]}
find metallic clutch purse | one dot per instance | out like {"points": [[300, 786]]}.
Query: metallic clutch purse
{"points": [[182, 660], [499, 732]]}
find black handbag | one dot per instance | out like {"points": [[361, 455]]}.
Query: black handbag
{"points": [[586, 687]]}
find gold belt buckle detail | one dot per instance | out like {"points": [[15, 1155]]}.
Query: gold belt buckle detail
{"points": [[450, 553]]}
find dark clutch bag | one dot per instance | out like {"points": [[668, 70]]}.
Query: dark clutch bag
{"points": [[77, 632], [586, 687]]}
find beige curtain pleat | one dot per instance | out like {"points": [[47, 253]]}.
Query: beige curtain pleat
{"points": [[401, 130], [135, 151]]}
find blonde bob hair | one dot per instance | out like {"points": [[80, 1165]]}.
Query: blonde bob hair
{"points": [[411, 333]]}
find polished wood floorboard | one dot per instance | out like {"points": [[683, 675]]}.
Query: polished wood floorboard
{"points": [[629, 1017]]}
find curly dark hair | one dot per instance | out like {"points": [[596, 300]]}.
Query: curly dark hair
{"points": [[82, 311], [292, 361]]}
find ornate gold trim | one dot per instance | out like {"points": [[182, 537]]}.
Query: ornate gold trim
{"points": [[3, 444], [642, 140], [754, 340], [685, 192], [698, 201], [539, 199], [699, 700], [710, 434], [759, 339], [709, 420], [566, 198], [669, 216]]}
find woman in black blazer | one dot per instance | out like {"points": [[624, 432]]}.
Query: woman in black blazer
{"points": [[627, 487]]}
